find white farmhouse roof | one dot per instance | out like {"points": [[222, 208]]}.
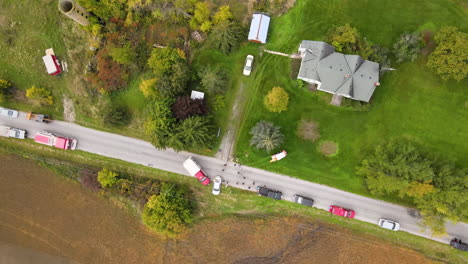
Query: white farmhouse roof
{"points": [[197, 95], [259, 28], [49, 63]]}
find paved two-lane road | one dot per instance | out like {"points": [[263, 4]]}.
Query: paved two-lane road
{"points": [[142, 152]]}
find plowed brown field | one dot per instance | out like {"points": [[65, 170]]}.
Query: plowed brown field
{"points": [[48, 215]]}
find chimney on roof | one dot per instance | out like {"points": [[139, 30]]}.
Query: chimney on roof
{"points": [[376, 83]]}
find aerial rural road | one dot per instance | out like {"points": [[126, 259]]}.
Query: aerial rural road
{"points": [[142, 152]]}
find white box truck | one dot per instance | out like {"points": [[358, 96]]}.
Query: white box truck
{"points": [[195, 170]]}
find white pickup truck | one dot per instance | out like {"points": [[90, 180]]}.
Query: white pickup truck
{"points": [[12, 132]]}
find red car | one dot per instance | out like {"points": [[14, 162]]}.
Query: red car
{"points": [[341, 211]]}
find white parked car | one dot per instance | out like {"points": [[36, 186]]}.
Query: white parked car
{"points": [[248, 65], [389, 224], [217, 185], [9, 112]]}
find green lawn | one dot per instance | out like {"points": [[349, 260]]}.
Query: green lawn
{"points": [[27, 29], [412, 103]]}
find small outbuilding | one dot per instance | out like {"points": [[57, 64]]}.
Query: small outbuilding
{"points": [[197, 95], [51, 62], [259, 28]]}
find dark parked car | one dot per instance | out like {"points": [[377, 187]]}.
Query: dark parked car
{"points": [[303, 200], [264, 191], [458, 244]]}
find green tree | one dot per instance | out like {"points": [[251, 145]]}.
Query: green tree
{"points": [[201, 17], [40, 95], [169, 212], [346, 39], [195, 132], [124, 55], [213, 80], [4, 89], [162, 60], [276, 100], [450, 58], [266, 136], [160, 122], [226, 36], [107, 178], [148, 87], [223, 14], [408, 47], [440, 192]]}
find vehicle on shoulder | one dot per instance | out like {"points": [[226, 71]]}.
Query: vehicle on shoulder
{"points": [[217, 185], [38, 117], [458, 244], [195, 170], [341, 211], [248, 65], [303, 200], [264, 191], [57, 141], [9, 113], [12, 132], [389, 224]]}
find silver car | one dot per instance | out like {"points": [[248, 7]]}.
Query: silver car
{"points": [[217, 185], [248, 65], [389, 224], [9, 112]]}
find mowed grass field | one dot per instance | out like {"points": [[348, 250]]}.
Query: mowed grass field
{"points": [[27, 29], [412, 103]]}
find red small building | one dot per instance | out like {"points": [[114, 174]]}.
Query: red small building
{"points": [[52, 64]]}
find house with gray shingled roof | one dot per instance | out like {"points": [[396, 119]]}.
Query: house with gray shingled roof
{"points": [[346, 75]]}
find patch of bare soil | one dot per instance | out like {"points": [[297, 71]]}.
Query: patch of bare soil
{"points": [[68, 110], [308, 130], [328, 148], [49, 214]]}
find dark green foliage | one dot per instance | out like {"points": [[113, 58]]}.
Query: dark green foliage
{"points": [[408, 47], [213, 80], [185, 107], [105, 9], [114, 115], [195, 132], [160, 122], [440, 192], [450, 58], [226, 36], [266, 136], [168, 212], [171, 69], [381, 56], [140, 191], [5, 90]]}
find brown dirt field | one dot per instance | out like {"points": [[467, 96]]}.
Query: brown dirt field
{"points": [[308, 130], [44, 212], [328, 148]]}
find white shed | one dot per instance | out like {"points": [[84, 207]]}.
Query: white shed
{"points": [[259, 28], [197, 95]]}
